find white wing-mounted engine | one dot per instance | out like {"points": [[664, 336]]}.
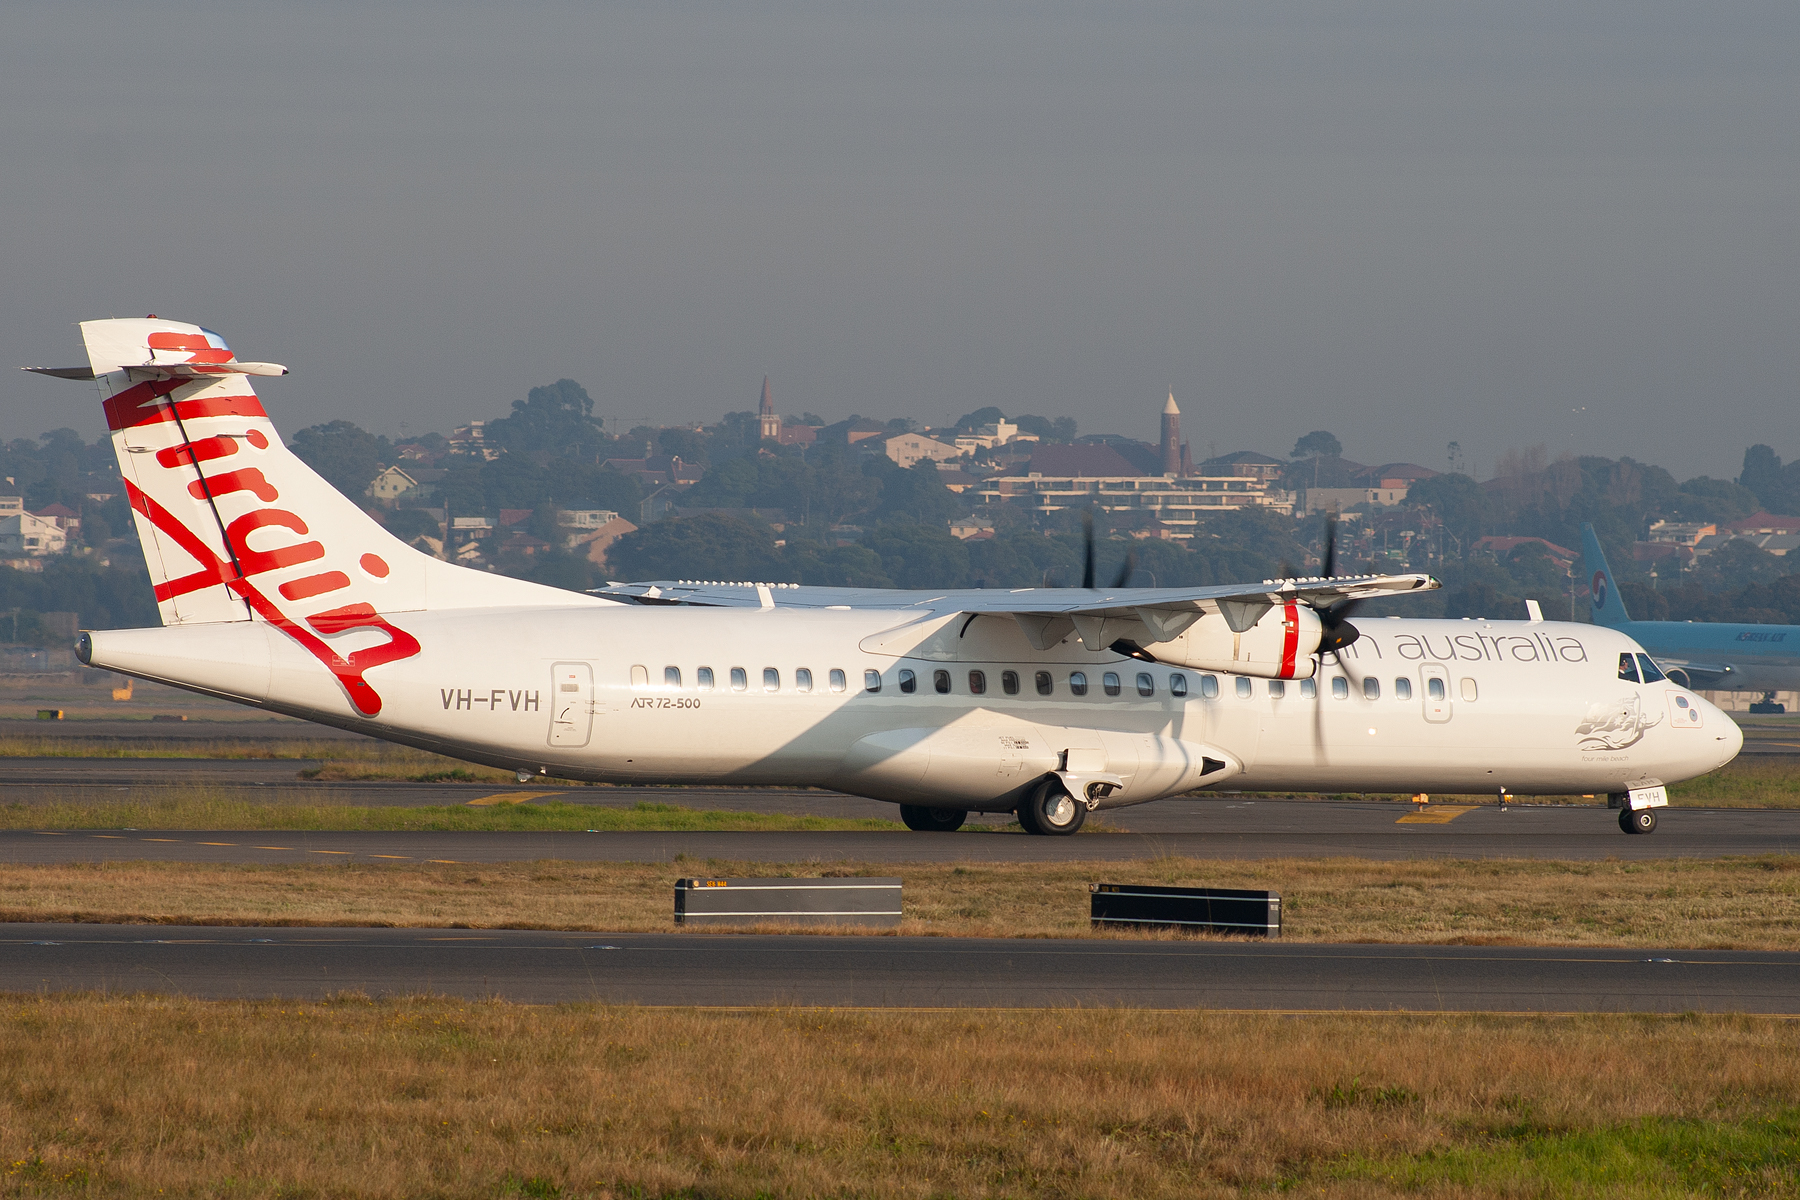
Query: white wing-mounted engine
{"points": [[1248, 637]]}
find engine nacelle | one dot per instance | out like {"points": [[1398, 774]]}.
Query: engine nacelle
{"points": [[1279, 642]]}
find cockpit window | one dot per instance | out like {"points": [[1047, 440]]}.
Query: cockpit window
{"points": [[1628, 668], [1651, 674]]}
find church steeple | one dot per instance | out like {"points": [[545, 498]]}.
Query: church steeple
{"points": [[766, 417], [1171, 438]]}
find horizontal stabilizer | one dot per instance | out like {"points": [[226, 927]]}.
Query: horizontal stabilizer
{"points": [[143, 371], [202, 370]]}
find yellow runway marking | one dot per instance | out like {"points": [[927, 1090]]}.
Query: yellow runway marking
{"points": [[506, 798], [117, 837], [215, 843], [175, 840], [328, 851], [1443, 814], [390, 856], [447, 861], [273, 847], [48, 833]]}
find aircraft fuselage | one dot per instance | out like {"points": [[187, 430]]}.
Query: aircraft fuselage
{"points": [[628, 694]]}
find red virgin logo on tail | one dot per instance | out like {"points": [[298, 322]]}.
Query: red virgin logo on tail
{"points": [[243, 563]]}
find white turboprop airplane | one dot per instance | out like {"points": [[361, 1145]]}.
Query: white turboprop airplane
{"points": [[277, 591]]}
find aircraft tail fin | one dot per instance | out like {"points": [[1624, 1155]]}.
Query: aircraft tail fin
{"points": [[235, 527], [1604, 600]]}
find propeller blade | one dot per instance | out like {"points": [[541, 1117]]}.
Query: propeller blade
{"points": [[1087, 533], [1318, 682], [1125, 572], [1337, 631], [1328, 558]]}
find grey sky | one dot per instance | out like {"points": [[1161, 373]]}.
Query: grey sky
{"points": [[1404, 223]]}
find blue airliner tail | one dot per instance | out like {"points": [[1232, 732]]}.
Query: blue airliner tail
{"points": [[1607, 606]]}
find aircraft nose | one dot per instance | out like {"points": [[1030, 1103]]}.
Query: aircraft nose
{"points": [[1728, 739]]}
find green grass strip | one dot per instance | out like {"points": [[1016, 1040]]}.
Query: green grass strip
{"points": [[222, 812], [1658, 1157]]}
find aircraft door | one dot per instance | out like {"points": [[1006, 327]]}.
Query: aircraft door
{"points": [[571, 704], [1435, 686]]}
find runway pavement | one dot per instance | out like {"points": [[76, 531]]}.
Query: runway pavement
{"points": [[694, 969], [1219, 828]]}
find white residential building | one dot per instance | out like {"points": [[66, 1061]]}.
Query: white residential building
{"points": [[25, 534], [585, 518], [908, 448], [390, 484]]}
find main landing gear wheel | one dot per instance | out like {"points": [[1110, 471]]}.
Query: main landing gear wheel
{"points": [[1638, 820], [932, 820], [1050, 810]]}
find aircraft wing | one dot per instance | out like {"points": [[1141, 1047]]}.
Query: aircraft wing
{"points": [[1099, 615], [1065, 601]]}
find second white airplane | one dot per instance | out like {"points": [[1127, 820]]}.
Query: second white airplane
{"points": [[277, 591]]}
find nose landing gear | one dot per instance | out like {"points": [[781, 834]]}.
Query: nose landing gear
{"points": [[1638, 820]]}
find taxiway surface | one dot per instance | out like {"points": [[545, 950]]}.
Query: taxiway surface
{"points": [[1218, 828], [698, 969]]}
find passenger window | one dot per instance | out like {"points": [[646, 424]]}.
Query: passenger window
{"points": [[1243, 687], [1309, 689], [640, 677], [672, 677], [1628, 668], [1403, 688], [871, 681], [909, 683], [1434, 689], [1146, 685], [977, 683], [1468, 689], [740, 679], [1178, 685], [803, 679], [1277, 688], [1371, 688], [1045, 685], [703, 679], [1078, 682], [1109, 683], [1651, 674], [1009, 682], [771, 679], [940, 682], [838, 682], [1209, 687], [1340, 688]]}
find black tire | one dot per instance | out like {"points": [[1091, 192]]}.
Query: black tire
{"points": [[1638, 820], [1052, 812], [932, 820]]}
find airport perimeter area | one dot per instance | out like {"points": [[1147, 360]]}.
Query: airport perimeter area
{"points": [[468, 992]]}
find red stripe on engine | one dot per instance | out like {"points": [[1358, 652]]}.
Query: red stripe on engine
{"points": [[1290, 641]]}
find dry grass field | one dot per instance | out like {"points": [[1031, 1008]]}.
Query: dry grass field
{"points": [[134, 1097], [1751, 904]]}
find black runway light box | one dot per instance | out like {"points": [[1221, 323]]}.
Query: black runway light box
{"points": [[1193, 909]]}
